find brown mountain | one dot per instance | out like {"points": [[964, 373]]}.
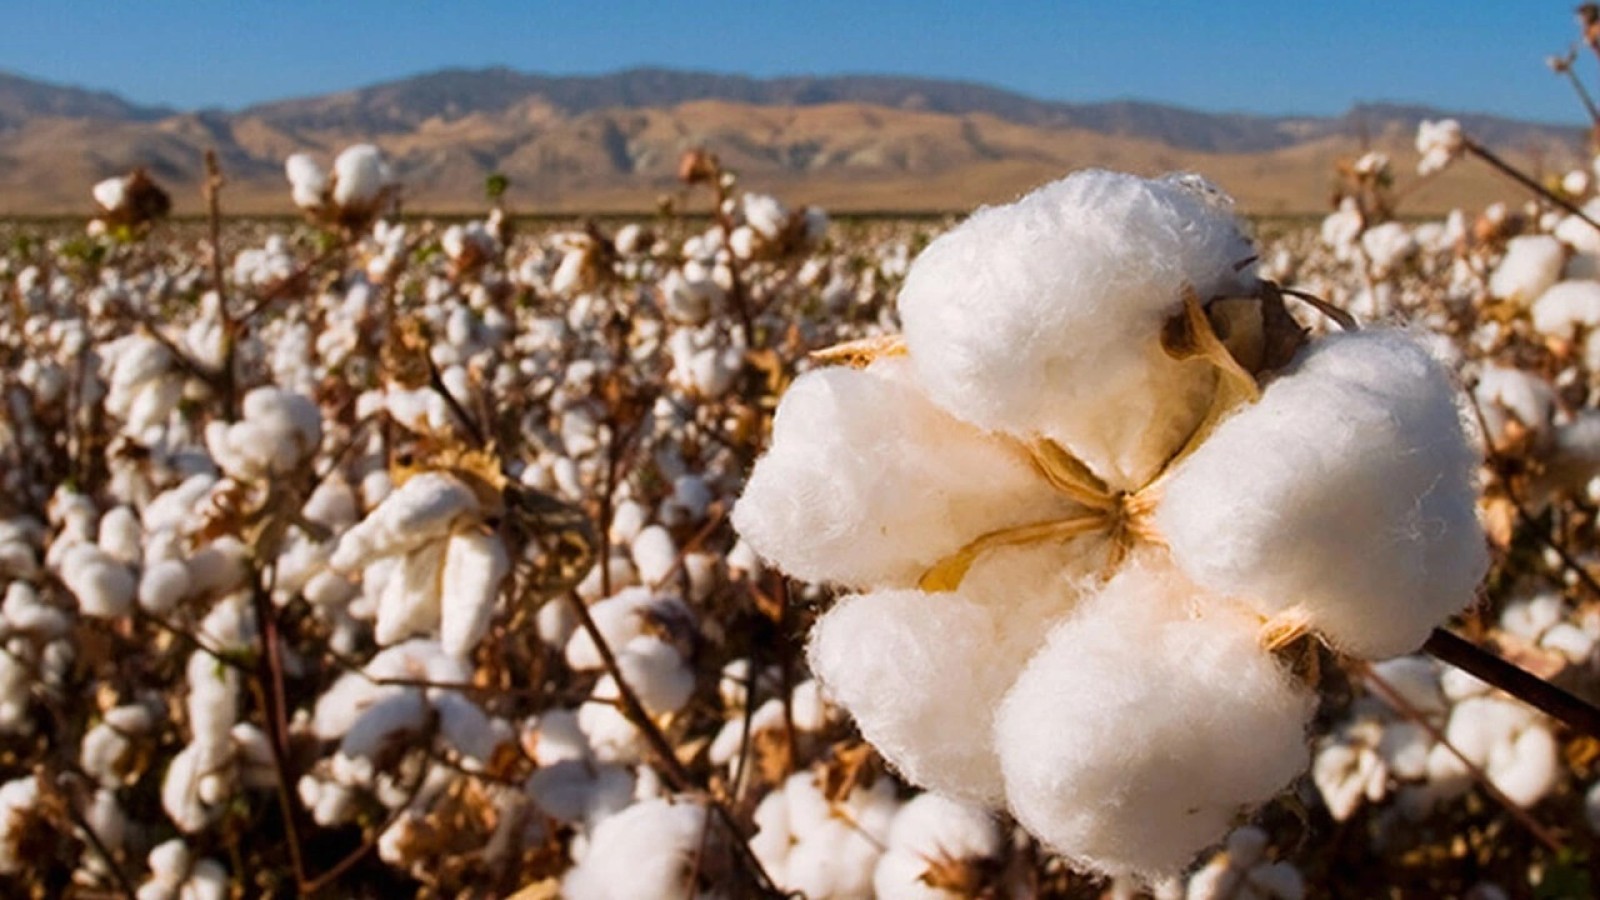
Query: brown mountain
{"points": [[611, 142]]}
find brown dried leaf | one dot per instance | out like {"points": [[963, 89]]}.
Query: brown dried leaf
{"points": [[861, 353], [852, 765]]}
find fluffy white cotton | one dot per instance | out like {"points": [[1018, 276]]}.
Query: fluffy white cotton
{"points": [[1345, 495], [932, 834], [654, 553], [819, 848], [1388, 247], [1567, 307], [1505, 395], [1242, 872], [867, 483], [422, 509], [475, 564], [1510, 742], [111, 193], [1045, 316], [1531, 265], [104, 587], [1439, 143], [643, 852], [1138, 732], [359, 175], [922, 674], [307, 181]]}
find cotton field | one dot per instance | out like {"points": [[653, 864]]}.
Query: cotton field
{"points": [[1106, 543]]}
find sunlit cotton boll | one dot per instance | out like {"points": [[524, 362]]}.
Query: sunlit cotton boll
{"points": [[643, 852], [937, 850], [1138, 732], [868, 483], [1531, 265], [360, 175], [1045, 316], [1439, 143], [1344, 496], [307, 182], [1567, 307]]}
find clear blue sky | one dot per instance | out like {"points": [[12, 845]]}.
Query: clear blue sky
{"points": [[1271, 56]]}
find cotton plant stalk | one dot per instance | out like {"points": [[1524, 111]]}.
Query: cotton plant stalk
{"points": [[1086, 505]]}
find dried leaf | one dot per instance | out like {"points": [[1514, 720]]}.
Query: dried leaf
{"points": [[850, 766], [947, 574], [862, 353]]}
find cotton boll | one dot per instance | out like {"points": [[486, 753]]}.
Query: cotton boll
{"points": [[379, 732], [1567, 307], [641, 853], [1388, 246], [111, 194], [104, 587], [409, 602], [1348, 770], [1346, 494], [1505, 394], [180, 788], [307, 181], [580, 790], [1137, 733], [475, 564], [219, 566], [359, 175], [1045, 316], [162, 585], [821, 848], [921, 675], [622, 618], [1415, 679], [867, 483], [23, 611], [655, 555], [1242, 873], [933, 832], [424, 508], [1531, 265], [657, 674], [1510, 742], [120, 535]]}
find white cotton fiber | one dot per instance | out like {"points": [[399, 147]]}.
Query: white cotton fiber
{"points": [[1045, 316], [359, 175], [162, 585], [1346, 494], [1531, 265], [423, 508], [929, 831], [922, 675], [307, 181], [641, 853], [867, 483], [1510, 742], [475, 564], [104, 587], [1138, 732], [1505, 394], [1567, 307]]}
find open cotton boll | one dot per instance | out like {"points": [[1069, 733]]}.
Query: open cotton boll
{"points": [[1045, 316], [867, 483], [1531, 265], [104, 587], [922, 675], [1348, 768], [659, 676], [1566, 307], [359, 175], [120, 535], [623, 617], [821, 848], [643, 852], [422, 509], [1415, 679], [111, 193], [1388, 246], [307, 181], [934, 837], [1346, 494], [408, 604], [1137, 733], [1505, 394], [1241, 872], [475, 564], [655, 555], [1510, 742]]}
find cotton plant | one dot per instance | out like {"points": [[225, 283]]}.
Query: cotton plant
{"points": [[360, 186], [1103, 455]]}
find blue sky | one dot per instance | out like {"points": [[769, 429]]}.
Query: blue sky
{"points": [[1268, 56]]}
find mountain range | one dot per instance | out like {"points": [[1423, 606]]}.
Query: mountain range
{"points": [[611, 142]]}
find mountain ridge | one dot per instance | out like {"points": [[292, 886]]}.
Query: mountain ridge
{"points": [[601, 142]]}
